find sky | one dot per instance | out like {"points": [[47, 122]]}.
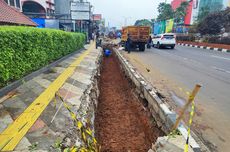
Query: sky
{"points": [[119, 12]]}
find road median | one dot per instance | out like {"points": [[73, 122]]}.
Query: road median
{"points": [[207, 46]]}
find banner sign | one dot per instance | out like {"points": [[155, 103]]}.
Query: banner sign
{"points": [[97, 17], [80, 15], [80, 6]]}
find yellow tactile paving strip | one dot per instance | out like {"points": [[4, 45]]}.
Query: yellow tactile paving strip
{"points": [[12, 135]]}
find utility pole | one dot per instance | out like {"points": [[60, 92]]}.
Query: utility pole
{"points": [[126, 20]]}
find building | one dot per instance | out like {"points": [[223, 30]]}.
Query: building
{"points": [[71, 18], [38, 8], [62, 9], [212, 5], [14, 3], [176, 3], [197, 7], [195, 11], [11, 16]]}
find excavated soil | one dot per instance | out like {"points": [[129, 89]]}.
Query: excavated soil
{"points": [[122, 123]]}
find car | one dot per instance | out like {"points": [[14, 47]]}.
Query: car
{"points": [[164, 40]]}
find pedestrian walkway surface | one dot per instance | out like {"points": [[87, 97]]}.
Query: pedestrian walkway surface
{"points": [[54, 124]]}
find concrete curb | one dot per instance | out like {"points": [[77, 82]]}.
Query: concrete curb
{"points": [[204, 47], [164, 117], [14, 85]]}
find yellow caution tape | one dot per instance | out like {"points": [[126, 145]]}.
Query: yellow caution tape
{"points": [[86, 133], [189, 126]]}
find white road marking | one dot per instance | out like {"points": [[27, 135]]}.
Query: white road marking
{"points": [[220, 69], [219, 57], [181, 57], [224, 50]]}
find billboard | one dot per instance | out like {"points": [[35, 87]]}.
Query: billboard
{"points": [[97, 17], [169, 25], [80, 15], [80, 10], [80, 6]]}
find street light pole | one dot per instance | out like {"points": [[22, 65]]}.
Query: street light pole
{"points": [[126, 20]]}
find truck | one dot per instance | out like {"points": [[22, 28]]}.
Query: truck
{"points": [[139, 36]]}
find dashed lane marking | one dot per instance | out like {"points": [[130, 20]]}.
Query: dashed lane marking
{"points": [[219, 57], [221, 70], [180, 88], [13, 134]]}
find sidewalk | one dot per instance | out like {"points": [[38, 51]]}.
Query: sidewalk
{"points": [[50, 129]]}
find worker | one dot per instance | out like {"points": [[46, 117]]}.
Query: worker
{"points": [[128, 44], [93, 36], [149, 42], [97, 35], [98, 43]]}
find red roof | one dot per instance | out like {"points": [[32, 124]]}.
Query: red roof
{"points": [[10, 15]]}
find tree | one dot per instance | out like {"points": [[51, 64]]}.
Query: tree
{"points": [[226, 22], [215, 22], [204, 11], [143, 22], [211, 24], [153, 20], [181, 11], [165, 12], [209, 8]]}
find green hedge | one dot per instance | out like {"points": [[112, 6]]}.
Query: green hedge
{"points": [[207, 39], [217, 40], [186, 38], [26, 49]]}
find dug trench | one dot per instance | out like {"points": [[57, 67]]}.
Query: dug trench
{"points": [[122, 121]]}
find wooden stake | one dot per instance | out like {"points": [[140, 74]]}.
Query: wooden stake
{"points": [[190, 100]]}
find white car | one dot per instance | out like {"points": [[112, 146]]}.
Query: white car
{"points": [[164, 40]]}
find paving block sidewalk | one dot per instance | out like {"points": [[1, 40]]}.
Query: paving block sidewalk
{"points": [[43, 135]]}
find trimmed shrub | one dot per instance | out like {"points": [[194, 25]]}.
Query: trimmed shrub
{"points": [[186, 38], [26, 49], [218, 40]]}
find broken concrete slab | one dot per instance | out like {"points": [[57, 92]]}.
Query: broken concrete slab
{"points": [[170, 144]]}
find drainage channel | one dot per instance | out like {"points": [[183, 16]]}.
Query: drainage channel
{"points": [[122, 122]]}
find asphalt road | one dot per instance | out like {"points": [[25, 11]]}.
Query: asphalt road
{"points": [[186, 66]]}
